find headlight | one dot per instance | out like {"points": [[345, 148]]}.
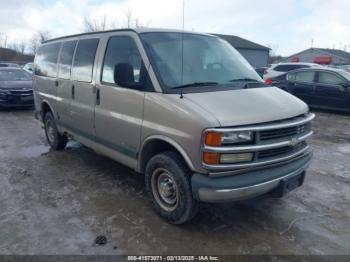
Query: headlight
{"points": [[3, 94], [236, 137], [214, 138]]}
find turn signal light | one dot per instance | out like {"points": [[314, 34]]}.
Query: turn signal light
{"points": [[211, 158], [213, 138], [268, 81]]}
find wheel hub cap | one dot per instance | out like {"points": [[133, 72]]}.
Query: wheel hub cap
{"points": [[165, 189], [50, 131]]}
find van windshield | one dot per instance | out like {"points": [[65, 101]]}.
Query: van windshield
{"points": [[187, 60]]}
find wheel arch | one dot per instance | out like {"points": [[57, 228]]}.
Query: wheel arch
{"points": [[157, 144], [44, 108]]}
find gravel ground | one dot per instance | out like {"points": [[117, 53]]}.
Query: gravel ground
{"points": [[58, 202]]}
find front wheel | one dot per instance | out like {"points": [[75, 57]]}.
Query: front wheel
{"points": [[55, 139], [168, 184]]}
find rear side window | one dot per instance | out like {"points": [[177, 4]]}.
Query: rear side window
{"points": [[65, 61], [329, 78], [287, 68], [84, 60], [304, 77], [46, 60], [281, 68]]}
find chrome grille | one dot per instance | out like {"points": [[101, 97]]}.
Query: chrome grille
{"points": [[280, 151], [21, 92], [274, 142], [284, 132]]}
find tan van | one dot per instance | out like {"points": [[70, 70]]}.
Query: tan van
{"points": [[184, 109]]}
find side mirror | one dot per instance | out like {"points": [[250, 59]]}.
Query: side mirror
{"points": [[124, 76], [345, 85]]}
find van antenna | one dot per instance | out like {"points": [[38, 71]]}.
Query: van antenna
{"points": [[182, 46]]}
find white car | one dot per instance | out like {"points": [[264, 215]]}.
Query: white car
{"points": [[276, 70], [29, 67]]}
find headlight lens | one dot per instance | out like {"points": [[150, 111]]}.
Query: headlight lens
{"points": [[213, 138], [236, 137]]}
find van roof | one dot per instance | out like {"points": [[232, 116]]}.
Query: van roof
{"points": [[138, 30]]}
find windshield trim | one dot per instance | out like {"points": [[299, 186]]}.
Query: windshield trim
{"points": [[218, 88]]}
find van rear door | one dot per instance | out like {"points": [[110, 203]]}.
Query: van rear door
{"points": [[82, 90], [64, 82]]}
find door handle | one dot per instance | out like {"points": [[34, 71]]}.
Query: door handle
{"points": [[56, 83], [73, 91], [97, 96]]}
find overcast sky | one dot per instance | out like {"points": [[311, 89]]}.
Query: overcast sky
{"points": [[288, 26]]}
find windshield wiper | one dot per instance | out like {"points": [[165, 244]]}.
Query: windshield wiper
{"points": [[244, 80], [195, 84]]}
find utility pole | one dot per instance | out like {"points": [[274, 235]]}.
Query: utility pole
{"points": [[183, 15]]}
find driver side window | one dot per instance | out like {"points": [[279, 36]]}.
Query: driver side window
{"points": [[329, 79], [123, 64]]}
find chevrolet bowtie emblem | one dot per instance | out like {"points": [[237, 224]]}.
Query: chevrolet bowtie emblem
{"points": [[294, 141]]}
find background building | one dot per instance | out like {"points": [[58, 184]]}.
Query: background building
{"points": [[321, 56], [257, 55]]}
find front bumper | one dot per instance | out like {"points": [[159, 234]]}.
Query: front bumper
{"points": [[247, 185], [15, 101]]}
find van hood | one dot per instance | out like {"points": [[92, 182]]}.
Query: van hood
{"points": [[249, 106]]}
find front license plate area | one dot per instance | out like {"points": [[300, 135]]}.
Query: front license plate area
{"points": [[26, 98], [288, 184]]}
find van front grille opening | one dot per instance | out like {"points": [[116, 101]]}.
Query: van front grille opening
{"points": [[284, 132]]}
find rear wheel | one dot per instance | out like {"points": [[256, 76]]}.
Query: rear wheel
{"points": [[168, 184], [55, 139]]}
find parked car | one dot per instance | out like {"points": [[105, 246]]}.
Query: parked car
{"points": [[6, 64], [29, 67], [15, 88], [199, 124], [261, 71], [327, 88], [344, 67], [276, 70]]}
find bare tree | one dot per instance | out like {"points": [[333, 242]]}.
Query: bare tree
{"points": [[37, 39], [128, 18], [33, 44], [93, 25], [14, 46], [3, 40], [273, 49], [22, 47], [104, 23], [43, 36]]}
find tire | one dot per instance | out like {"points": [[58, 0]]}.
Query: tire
{"points": [[54, 138], [167, 174]]}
